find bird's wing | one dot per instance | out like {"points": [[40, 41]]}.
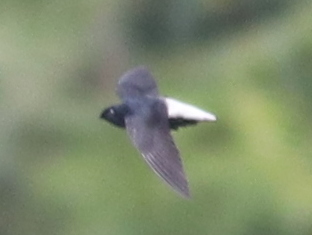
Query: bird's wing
{"points": [[151, 136], [137, 82]]}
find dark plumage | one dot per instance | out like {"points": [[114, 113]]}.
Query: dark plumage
{"points": [[145, 115]]}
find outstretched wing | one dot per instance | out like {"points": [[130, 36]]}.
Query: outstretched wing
{"points": [[151, 136], [137, 82]]}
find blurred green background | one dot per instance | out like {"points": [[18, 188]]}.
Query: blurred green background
{"points": [[65, 171]]}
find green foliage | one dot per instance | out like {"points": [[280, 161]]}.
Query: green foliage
{"points": [[65, 171]]}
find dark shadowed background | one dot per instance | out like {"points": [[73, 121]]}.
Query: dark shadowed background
{"points": [[64, 171]]}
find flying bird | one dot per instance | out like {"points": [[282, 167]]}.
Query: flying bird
{"points": [[148, 119]]}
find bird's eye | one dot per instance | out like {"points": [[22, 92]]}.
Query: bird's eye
{"points": [[111, 111]]}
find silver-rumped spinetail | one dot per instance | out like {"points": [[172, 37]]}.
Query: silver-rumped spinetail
{"points": [[148, 119]]}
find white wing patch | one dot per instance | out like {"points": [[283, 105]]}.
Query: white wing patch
{"points": [[178, 109]]}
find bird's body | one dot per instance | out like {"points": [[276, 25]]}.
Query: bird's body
{"points": [[179, 114], [148, 119]]}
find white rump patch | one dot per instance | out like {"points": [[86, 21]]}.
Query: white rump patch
{"points": [[178, 109]]}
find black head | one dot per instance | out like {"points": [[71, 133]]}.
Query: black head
{"points": [[115, 115]]}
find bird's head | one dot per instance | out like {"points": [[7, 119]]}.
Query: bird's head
{"points": [[114, 116]]}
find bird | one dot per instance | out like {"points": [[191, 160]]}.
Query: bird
{"points": [[149, 119]]}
